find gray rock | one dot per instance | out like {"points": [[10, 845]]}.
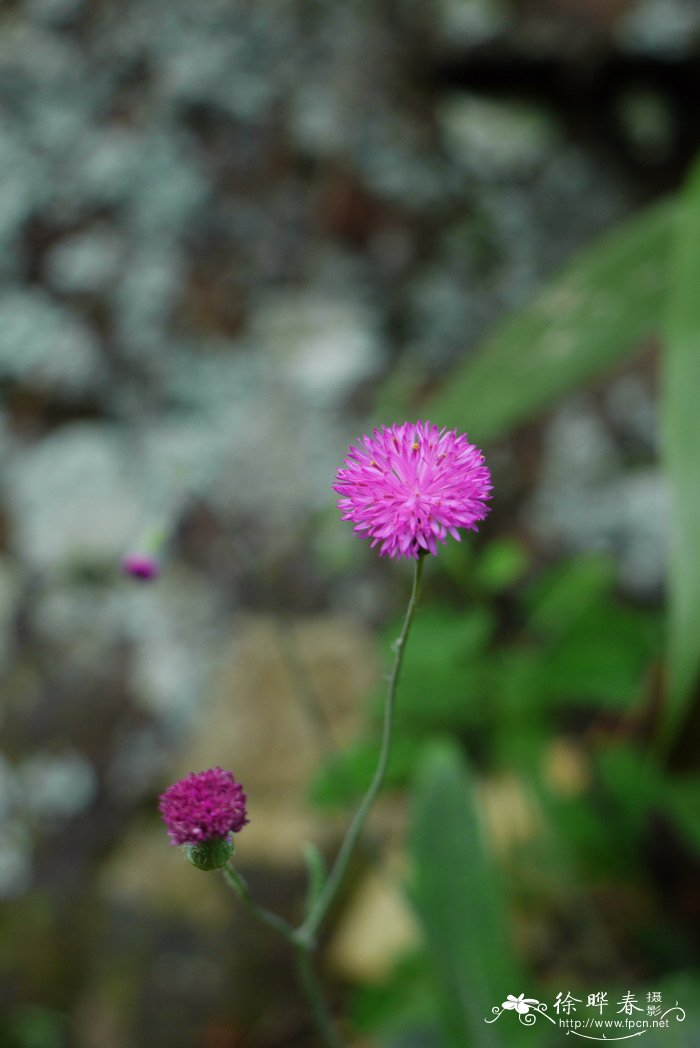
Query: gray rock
{"points": [[465, 23], [23, 190], [174, 628], [493, 139], [586, 501], [73, 498], [323, 345], [143, 300], [15, 859], [82, 620], [662, 28], [86, 262], [45, 345], [56, 786], [54, 11], [9, 592]]}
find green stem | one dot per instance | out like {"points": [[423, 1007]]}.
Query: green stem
{"points": [[310, 927], [314, 994], [273, 920], [304, 938]]}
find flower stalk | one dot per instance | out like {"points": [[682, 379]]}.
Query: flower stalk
{"points": [[304, 938], [313, 922], [406, 488]]}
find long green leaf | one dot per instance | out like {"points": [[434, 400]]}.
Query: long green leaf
{"points": [[457, 900], [599, 309], [681, 423]]}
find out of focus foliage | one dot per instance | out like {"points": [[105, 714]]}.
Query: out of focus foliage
{"points": [[229, 232], [566, 698]]}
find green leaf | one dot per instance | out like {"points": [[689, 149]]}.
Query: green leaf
{"points": [[681, 423], [400, 1008], [599, 309], [681, 799], [604, 659], [456, 895], [502, 563], [34, 1026], [560, 598], [343, 779], [443, 671]]}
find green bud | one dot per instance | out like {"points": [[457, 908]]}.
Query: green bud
{"points": [[210, 855]]}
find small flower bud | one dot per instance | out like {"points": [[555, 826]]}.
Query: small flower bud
{"points": [[141, 566], [210, 855], [145, 560], [202, 812]]}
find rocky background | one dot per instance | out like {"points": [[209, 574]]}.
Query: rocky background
{"points": [[223, 226]]}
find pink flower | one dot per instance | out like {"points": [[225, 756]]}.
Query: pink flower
{"points": [[408, 485], [141, 566], [205, 806]]}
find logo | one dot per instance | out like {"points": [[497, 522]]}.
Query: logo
{"points": [[598, 1019]]}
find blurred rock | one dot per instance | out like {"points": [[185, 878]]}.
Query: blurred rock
{"points": [[44, 345], [633, 409], [174, 628], [73, 499], [663, 28], [494, 139], [511, 813], [84, 263], [566, 768], [461, 24], [648, 123], [586, 501], [23, 188], [324, 346], [80, 617], [55, 786], [143, 301], [54, 11], [377, 928], [271, 720], [9, 594], [178, 888], [9, 788], [15, 859]]}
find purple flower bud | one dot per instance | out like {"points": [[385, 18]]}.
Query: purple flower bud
{"points": [[141, 566], [204, 806]]}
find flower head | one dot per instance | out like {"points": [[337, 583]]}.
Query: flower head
{"points": [[205, 806], [141, 566], [408, 485]]}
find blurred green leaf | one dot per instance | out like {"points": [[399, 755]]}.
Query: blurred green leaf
{"points": [[603, 659], [402, 1008], [632, 788], [501, 564], [681, 421], [456, 895], [443, 672], [34, 1026], [556, 601], [599, 309], [345, 776], [682, 802]]}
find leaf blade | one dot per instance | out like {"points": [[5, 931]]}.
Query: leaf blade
{"points": [[681, 452], [457, 900], [597, 311]]}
